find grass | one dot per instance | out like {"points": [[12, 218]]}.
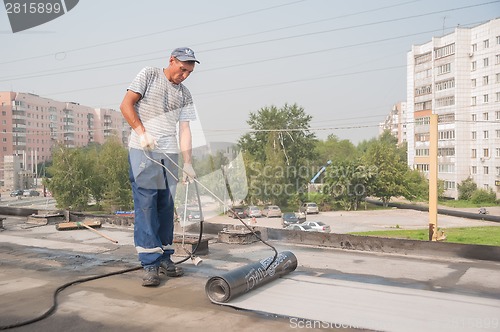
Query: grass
{"points": [[464, 204], [465, 235]]}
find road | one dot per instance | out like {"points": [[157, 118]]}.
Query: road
{"points": [[36, 202], [343, 222]]}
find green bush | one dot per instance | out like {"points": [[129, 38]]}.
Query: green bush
{"points": [[466, 188], [481, 196]]}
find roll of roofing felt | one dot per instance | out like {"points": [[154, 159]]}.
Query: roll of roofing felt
{"points": [[227, 286]]}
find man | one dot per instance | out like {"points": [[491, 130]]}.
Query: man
{"points": [[154, 103]]}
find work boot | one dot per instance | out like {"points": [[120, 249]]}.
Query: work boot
{"points": [[151, 277], [170, 269]]}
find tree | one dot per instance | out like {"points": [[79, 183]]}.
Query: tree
{"points": [[112, 164], [391, 171], [72, 176], [335, 150], [348, 182], [99, 173], [278, 147], [417, 185]]}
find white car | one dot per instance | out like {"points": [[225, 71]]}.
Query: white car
{"points": [[309, 208], [271, 211], [253, 211], [318, 226], [300, 227]]}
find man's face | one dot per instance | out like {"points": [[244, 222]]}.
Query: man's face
{"points": [[180, 70]]}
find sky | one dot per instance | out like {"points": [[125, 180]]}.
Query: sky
{"points": [[344, 62]]}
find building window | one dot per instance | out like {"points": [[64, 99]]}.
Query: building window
{"points": [[473, 82], [486, 43], [444, 69], [485, 116], [473, 101], [485, 98], [473, 169], [497, 115], [486, 153], [497, 171], [497, 133], [449, 185], [486, 134], [422, 121], [423, 167], [485, 170], [446, 168], [474, 154], [446, 152], [486, 62], [423, 58], [423, 90], [498, 40], [422, 152], [445, 101], [474, 117], [498, 77], [446, 135], [426, 105], [497, 152], [474, 47], [474, 65], [497, 59], [444, 51], [443, 85], [446, 118], [485, 80], [474, 135], [422, 137]]}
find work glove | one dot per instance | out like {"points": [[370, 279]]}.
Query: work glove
{"points": [[147, 141], [188, 173]]}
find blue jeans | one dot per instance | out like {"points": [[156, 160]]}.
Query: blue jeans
{"points": [[153, 191]]}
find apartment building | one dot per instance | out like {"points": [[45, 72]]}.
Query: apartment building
{"points": [[31, 126], [395, 122], [457, 77]]}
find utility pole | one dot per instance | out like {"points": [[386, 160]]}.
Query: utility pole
{"points": [[433, 177]]}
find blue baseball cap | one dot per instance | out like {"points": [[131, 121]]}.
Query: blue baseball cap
{"points": [[184, 54]]}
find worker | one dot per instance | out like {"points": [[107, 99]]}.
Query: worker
{"points": [[155, 102]]}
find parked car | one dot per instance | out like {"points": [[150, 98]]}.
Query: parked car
{"points": [[300, 227], [15, 193], [289, 218], [318, 226], [192, 213], [236, 212], [30, 192], [271, 211], [253, 211], [309, 208]]}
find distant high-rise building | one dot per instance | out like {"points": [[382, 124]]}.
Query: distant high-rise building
{"points": [[31, 126], [457, 77], [395, 122]]}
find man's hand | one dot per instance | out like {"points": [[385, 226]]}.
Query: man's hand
{"points": [[147, 141], [188, 173]]}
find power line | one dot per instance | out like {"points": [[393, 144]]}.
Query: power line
{"points": [[264, 41], [156, 33], [215, 41]]}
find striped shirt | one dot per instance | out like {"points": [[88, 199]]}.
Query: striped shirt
{"points": [[162, 105]]}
